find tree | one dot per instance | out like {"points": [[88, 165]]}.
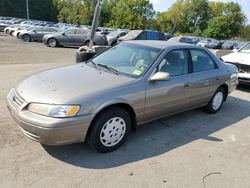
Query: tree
{"points": [[245, 32], [228, 19], [185, 16], [39, 9], [132, 14], [196, 15]]}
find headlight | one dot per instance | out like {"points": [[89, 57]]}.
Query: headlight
{"points": [[234, 75], [54, 110]]}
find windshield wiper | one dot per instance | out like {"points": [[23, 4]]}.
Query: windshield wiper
{"points": [[108, 67]]}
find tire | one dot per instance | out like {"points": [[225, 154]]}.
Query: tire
{"points": [[113, 43], [109, 130], [26, 38], [87, 43], [216, 101], [11, 33], [52, 42]]}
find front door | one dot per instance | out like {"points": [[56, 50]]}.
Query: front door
{"points": [[171, 96]]}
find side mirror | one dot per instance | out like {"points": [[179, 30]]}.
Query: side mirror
{"points": [[160, 76]]}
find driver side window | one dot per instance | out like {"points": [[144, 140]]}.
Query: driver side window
{"points": [[175, 63]]}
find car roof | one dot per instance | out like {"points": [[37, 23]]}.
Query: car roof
{"points": [[160, 44]]}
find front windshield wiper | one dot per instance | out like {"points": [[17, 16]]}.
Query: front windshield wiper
{"points": [[107, 67]]}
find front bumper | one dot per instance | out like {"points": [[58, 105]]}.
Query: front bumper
{"points": [[48, 130], [244, 78]]}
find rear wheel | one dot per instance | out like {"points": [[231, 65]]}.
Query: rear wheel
{"points": [[26, 38], [216, 101], [52, 42], [109, 130]]}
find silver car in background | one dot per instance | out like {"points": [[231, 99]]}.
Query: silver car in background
{"points": [[102, 99], [36, 34], [73, 37]]}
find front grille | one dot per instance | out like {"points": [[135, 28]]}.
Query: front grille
{"points": [[241, 67], [15, 99]]}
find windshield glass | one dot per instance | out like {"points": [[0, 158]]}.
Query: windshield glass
{"points": [[133, 34], [130, 59], [245, 49], [114, 33]]}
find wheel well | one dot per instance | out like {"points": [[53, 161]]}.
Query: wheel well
{"points": [[225, 87], [125, 107], [52, 38]]}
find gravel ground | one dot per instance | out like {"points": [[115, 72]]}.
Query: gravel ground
{"points": [[191, 149]]}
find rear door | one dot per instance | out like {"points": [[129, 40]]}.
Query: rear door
{"points": [[69, 37], [205, 76], [81, 36]]}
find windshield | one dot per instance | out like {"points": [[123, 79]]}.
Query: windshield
{"points": [[31, 28], [133, 34], [114, 33], [245, 49], [130, 59]]}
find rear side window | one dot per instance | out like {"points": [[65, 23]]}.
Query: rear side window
{"points": [[202, 61]]}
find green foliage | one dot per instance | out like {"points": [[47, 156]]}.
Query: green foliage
{"points": [[201, 17], [227, 21], [245, 32], [185, 16], [132, 14], [39, 9], [198, 17]]}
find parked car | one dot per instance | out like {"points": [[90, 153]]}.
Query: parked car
{"points": [[142, 35], [240, 44], [183, 39], [4, 24], [228, 45], [36, 34], [16, 31], [241, 58], [114, 36], [73, 37], [210, 43], [20, 32], [102, 99], [9, 28]]}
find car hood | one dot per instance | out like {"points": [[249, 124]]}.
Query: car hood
{"points": [[68, 84], [237, 57]]}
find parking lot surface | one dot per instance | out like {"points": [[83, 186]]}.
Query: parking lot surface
{"points": [[192, 149]]}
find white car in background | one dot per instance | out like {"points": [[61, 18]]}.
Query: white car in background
{"points": [[15, 32], [8, 29], [241, 58]]}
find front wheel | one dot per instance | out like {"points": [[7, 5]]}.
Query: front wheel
{"points": [[109, 130], [216, 101]]}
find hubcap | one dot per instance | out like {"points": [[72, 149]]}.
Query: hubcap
{"points": [[26, 38], [52, 42], [217, 101], [113, 131]]}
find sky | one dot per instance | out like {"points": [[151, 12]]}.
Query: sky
{"points": [[163, 5]]}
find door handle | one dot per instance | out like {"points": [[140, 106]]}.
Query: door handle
{"points": [[187, 84]]}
